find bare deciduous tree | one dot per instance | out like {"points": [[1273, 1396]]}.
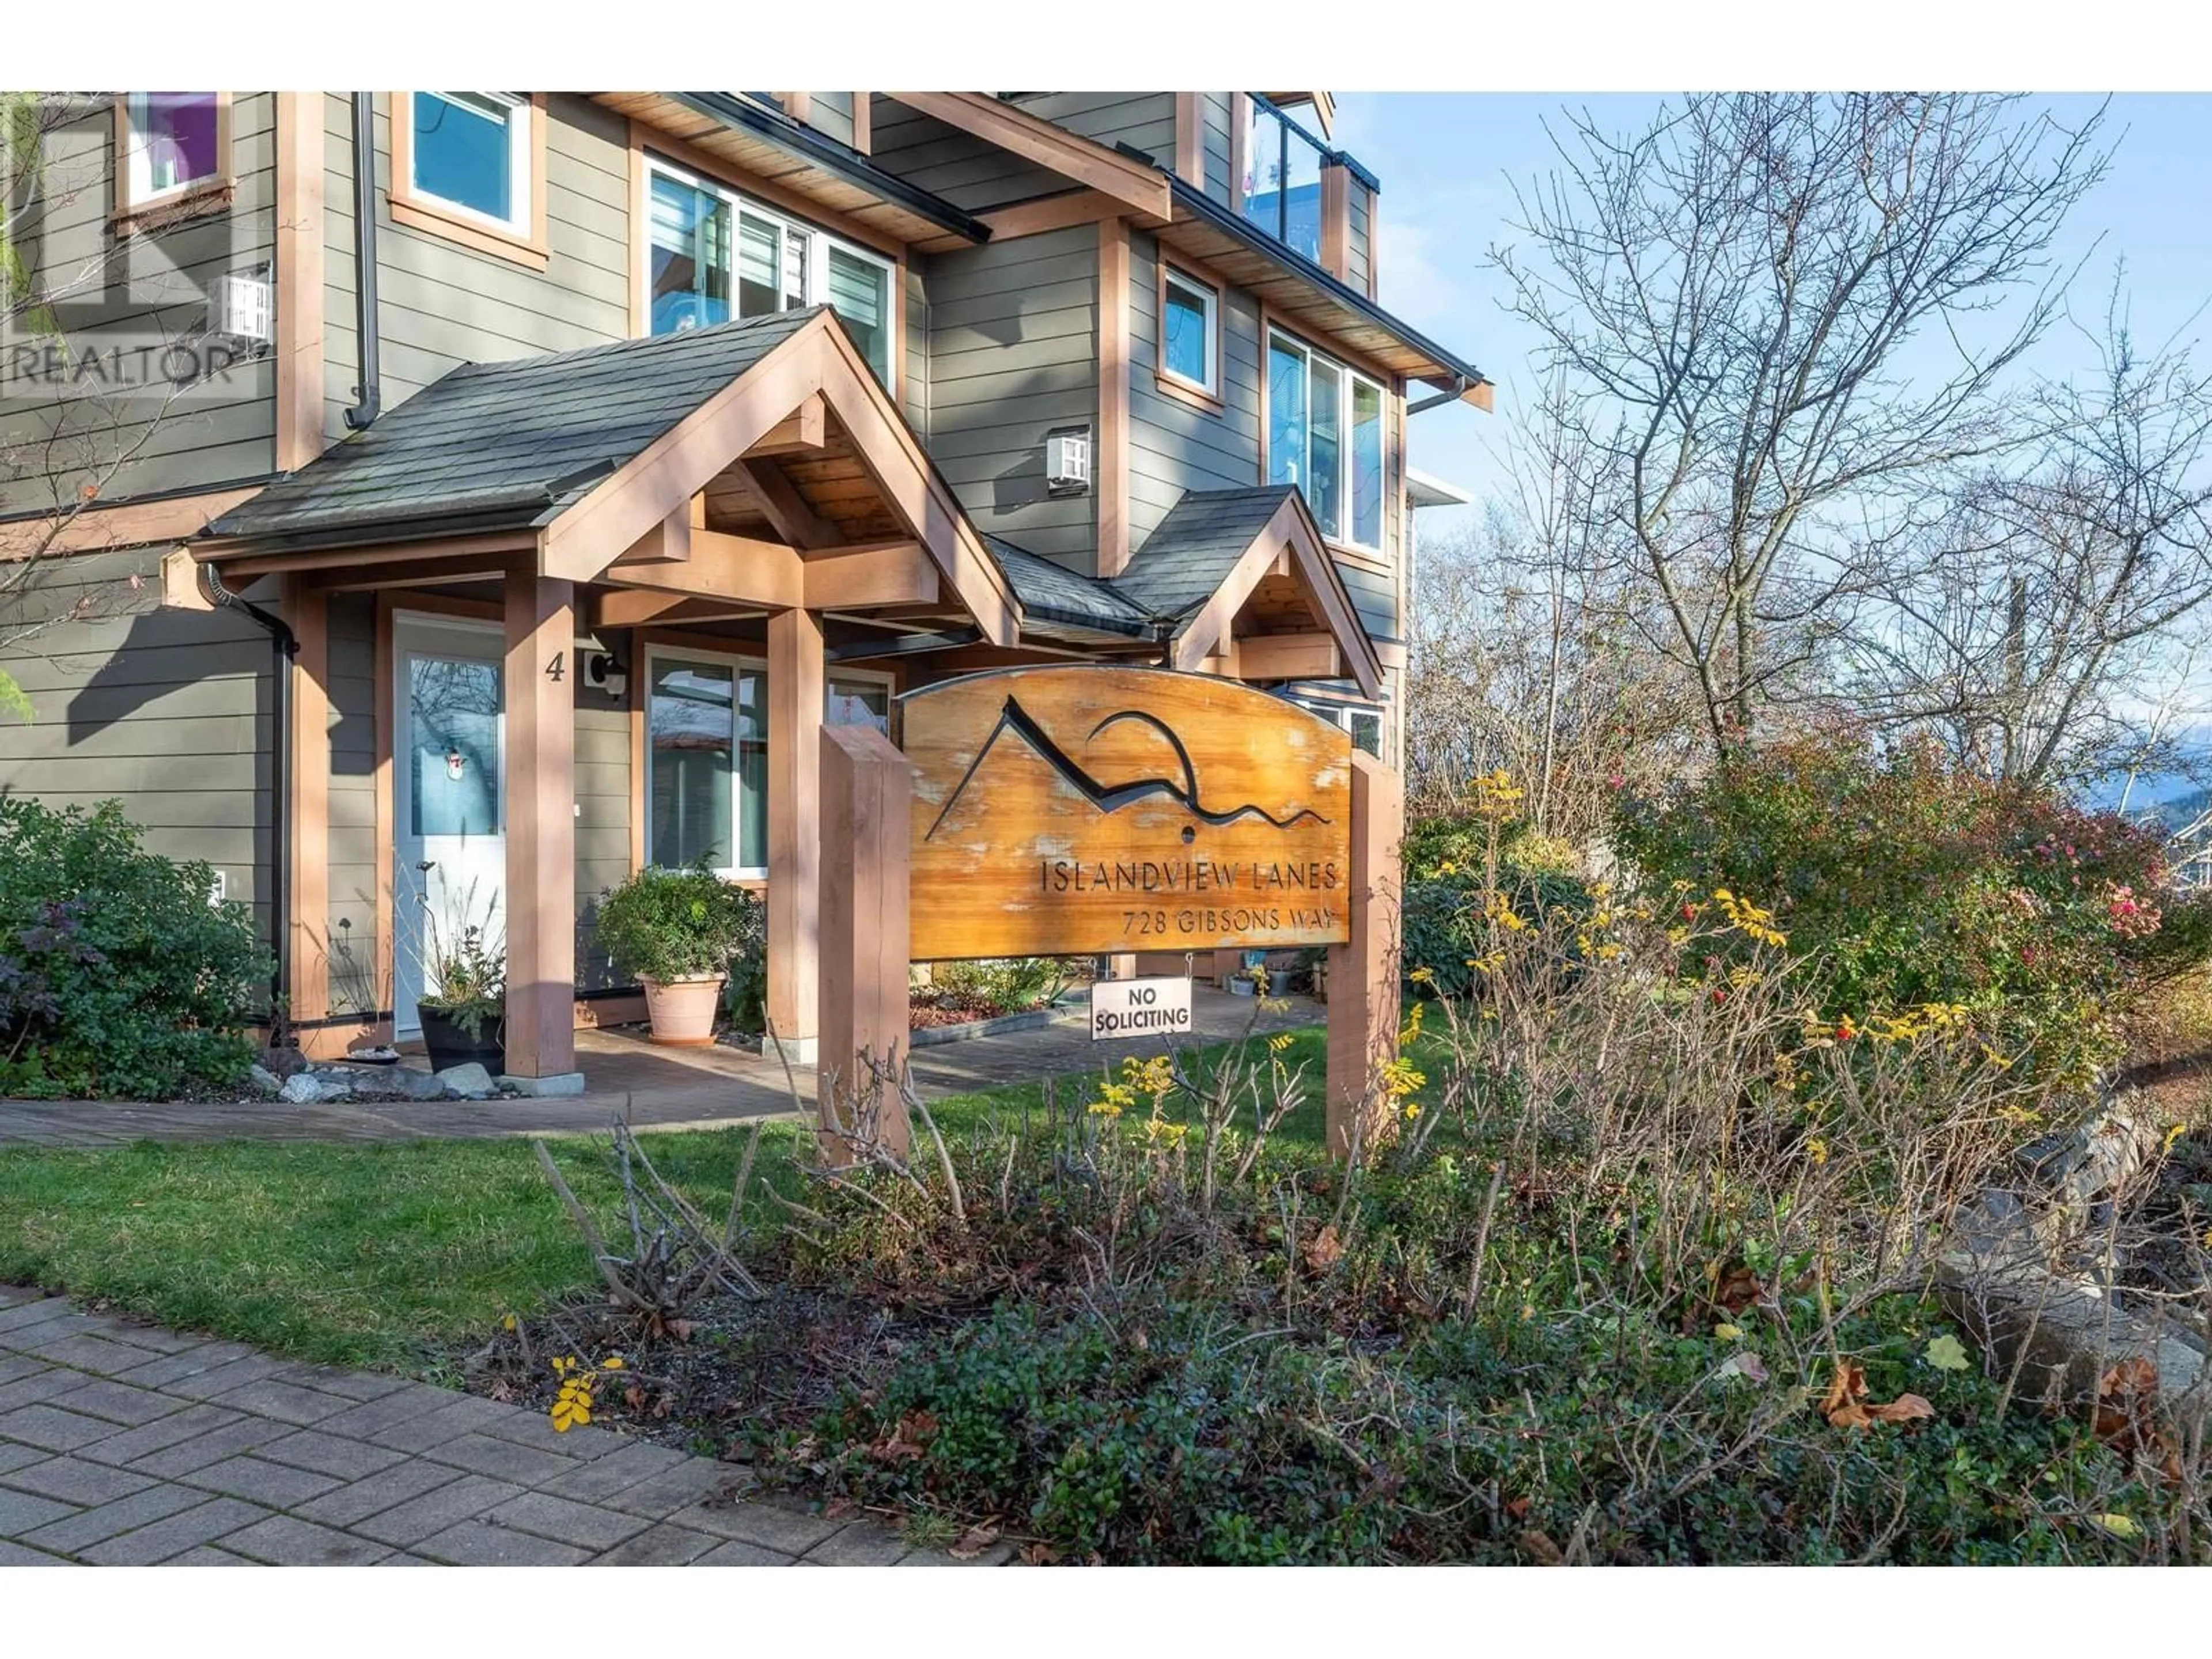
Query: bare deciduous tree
{"points": [[2047, 624], [1778, 311], [1529, 648]]}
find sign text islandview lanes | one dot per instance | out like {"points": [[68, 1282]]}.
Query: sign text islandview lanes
{"points": [[1078, 810]]}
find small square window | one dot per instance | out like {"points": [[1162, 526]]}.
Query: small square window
{"points": [[471, 150], [175, 142], [1189, 331]]}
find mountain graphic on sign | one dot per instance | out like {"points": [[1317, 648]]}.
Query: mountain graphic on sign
{"points": [[1016, 720]]}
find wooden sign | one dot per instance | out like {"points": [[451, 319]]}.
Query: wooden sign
{"points": [[1081, 810]]}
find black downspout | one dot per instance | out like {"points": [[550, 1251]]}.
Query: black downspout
{"points": [[283, 647], [369, 392]]}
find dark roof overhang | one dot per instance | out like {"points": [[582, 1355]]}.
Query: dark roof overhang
{"points": [[1443, 368], [764, 121]]}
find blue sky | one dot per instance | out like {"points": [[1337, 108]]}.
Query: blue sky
{"points": [[1445, 161]]}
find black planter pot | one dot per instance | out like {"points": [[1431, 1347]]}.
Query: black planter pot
{"points": [[449, 1045]]}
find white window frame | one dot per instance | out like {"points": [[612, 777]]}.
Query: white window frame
{"points": [[815, 276], [521, 188], [1346, 376], [1172, 277], [1341, 716], [737, 664], [875, 677], [139, 154]]}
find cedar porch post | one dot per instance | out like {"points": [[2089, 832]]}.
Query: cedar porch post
{"points": [[867, 820], [541, 833], [1362, 975], [797, 695], [307, 875]]}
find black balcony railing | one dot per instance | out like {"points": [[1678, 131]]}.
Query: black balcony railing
{"points": [[1280, 190]]}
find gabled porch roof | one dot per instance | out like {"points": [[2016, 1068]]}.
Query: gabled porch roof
{"points": [[755, 465], [1222, 555]]}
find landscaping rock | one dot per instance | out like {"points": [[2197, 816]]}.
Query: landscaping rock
{"points": [[2003, 1274], [469, 1082], [264, 1080], [315, 1088], [406, 1081]]}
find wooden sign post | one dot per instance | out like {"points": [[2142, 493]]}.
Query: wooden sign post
{"points": [[1080, 810], [867, 807]]}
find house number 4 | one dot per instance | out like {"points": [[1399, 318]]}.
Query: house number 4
{"points": [[554, 670]]}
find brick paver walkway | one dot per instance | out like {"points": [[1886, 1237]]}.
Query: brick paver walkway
{"points": [[123, 1443]]}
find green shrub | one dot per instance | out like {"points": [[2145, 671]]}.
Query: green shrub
{"points": [[1904, 880], [118, 978], [1163, 1434], [997, 985], [1448, 862], [676, 924]]}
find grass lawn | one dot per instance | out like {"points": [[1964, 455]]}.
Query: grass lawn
{"points": [[368, 1255]]}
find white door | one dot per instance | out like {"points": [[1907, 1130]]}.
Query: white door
{"points": [[448, 797]]}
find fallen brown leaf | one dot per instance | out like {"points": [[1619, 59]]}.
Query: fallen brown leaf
{"points": [[1906, 1408], [1324, 1250], [1540, 1549], [1738, 1288], [1846, 1385], [1039, 1554], [905, 1442], [974, 1541]]}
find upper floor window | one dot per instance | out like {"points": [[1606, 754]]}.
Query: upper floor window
{"points": [[470, 167], [175, 142], [1325, 435], [1281, 189], [471, 151], [173, 152], [1190, 331], [712, 255]]}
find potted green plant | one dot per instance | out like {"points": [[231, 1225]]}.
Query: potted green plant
{"points": [[463, 1005], [676, 930]]}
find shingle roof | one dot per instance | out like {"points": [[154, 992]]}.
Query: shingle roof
{"points": [[1053, 592], [1191, 550], [514, 443]]}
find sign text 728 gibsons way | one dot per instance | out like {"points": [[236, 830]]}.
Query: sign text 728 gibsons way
{"points": [[1080, 810]]}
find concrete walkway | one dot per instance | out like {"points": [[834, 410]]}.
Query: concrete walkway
{"points": [[628, 1079], [128, 1444]]}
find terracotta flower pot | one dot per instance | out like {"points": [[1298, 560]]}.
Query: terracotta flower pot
{"points": [[683, 1010]]}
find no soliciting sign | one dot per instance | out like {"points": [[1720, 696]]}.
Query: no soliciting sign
{"points": [[1138, 1007]]}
